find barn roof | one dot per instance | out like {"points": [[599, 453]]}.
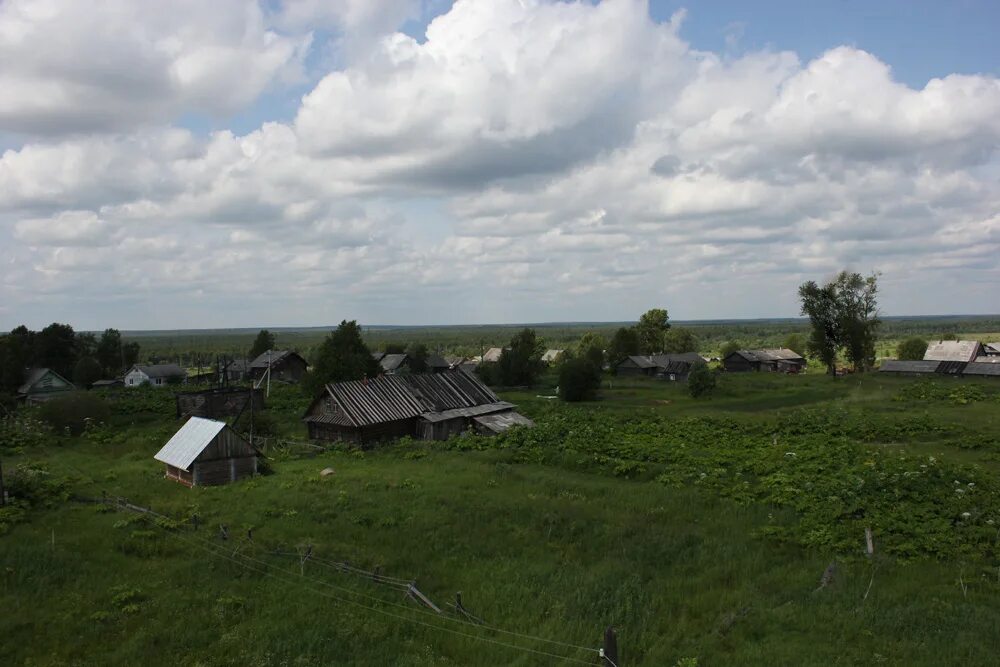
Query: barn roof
{"points": [[189, 441], [276, 357], [908, 366], [952, 350], [437, 361], [992, 348], [665, 360], [395, 397], [773, 354], [392, 362], [981, 368], [551, 355], [493, 354]]}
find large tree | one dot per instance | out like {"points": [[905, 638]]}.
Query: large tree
{"points": [[56, 348], [521, 362], [652, 329], [261, 344], [820, 305], [591, 349], [342, 356], [843, 315], [109, 351], [17, 353], [417, 354], [624, 344], [679, 340]]}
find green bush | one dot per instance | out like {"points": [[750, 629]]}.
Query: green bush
{"points": [[912, 349], [701, 381], [579, 380], [72, 412]]}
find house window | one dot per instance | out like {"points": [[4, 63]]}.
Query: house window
{"points": [[157, 380]]}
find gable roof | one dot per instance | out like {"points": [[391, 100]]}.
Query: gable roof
{"points": [[189, 441], [992, 348], [551, 355], [437, 361], [664, 360], [493, 354], [159, 370], [395, 397], [277, 356], [952, 350], [908, 366], [392, 362], [767, 355], [35, 375]]}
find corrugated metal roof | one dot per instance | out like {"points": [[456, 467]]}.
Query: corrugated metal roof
{"points": [[982, 369], [189, 441], [991, 348], [774, 354], [952, 350], [467, 412], [499, 423], [276, 356], [908, 366]]}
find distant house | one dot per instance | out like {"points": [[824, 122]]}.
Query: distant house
{"points": [[991, 350], [551, 356], [780, 360], [953, 350], [392, 363], [492, 355], [666, 366], [237, 370], [205, 452], [108, 384], [285, 365], [154, 374], [41, 384], [437, 364], [429, 406]]}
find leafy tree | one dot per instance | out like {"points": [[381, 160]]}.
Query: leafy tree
{"points": [[652, 329], [86, 372], [796, 343], [418, 353], [820, 304], [55, 348], [521, 362], [678, 340], [109, 351], [857, 297], [261, 344], [701, 381], [86, 344], [591, 347], [624, 344], [16, 354], [729, 348], [912, 349], [948, 336], [342, 356], [579, 379], [130, 352]]}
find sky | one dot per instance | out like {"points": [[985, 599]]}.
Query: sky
{"points": [[296, 163]]}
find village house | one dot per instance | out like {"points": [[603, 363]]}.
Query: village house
{"points": [[675, 367], [237, 370], [492, 355], [429, 406], [284, 365], [205, 452], [41, 384], [780, 360], [155, 375]]}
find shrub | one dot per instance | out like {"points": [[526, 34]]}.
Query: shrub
{"points": [[579, 380], [71, 412], [912, 349], [701, 381]]}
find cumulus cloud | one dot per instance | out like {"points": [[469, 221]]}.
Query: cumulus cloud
{"points": [[526, 160], [76, 67]]}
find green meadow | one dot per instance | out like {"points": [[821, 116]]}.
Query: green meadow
{"points": [[699, 529]]}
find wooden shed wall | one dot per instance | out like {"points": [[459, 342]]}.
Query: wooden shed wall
{"points": [[736, 364], [362, 436], [226, 445], [223, 471]]}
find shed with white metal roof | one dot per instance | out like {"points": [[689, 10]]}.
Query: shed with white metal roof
{"points": [[205, 452]]}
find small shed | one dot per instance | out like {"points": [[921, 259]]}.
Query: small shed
{"points": [[108, 384], [216, 403], [41, 384], [205, 452]]}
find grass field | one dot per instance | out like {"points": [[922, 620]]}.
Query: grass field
{"points": [[699, 529]]}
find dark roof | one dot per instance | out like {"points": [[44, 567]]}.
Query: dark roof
{"points": [[908, 366], [392, 362], [980, 368], [107, 383], [241, 365], [161, 370], [395, 397], [664, 360], [277, 356], [35, 374], [377, 356], [676, 367], [437, 361], [777, 354], [951, 367]]}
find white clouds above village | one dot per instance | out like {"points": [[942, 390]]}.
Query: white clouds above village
{"points": [[524, 161]]}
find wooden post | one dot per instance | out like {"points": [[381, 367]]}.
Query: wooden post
{"points": [[610, 651], [868, 541]]}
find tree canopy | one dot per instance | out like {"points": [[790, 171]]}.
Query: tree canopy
{"points": [[652, 329], [261, 344], [521, 362], [843, 315], [342, 356], [678, 340], [624, 344]]}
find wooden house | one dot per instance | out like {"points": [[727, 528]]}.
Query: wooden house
{"points": [[218, 403], [430, 406], [205, 452], [780, 360], [156, 375], [285, 366], [237, 370], [675, 367], [41, 384]]}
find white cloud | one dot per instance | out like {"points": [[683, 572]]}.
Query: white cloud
{"points": [[582, 161]]}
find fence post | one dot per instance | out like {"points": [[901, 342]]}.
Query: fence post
{"points": [[610, 654]]}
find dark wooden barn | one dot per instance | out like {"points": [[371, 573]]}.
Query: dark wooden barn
{"points": [[205, 452], [779, 360], [285, 365], [430, 406], [665, 366], [218, 403]]}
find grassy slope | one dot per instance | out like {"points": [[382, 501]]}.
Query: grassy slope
{"points": [[535, 549]]}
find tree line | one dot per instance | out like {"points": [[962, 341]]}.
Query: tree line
{"points": [[82, 357]]}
